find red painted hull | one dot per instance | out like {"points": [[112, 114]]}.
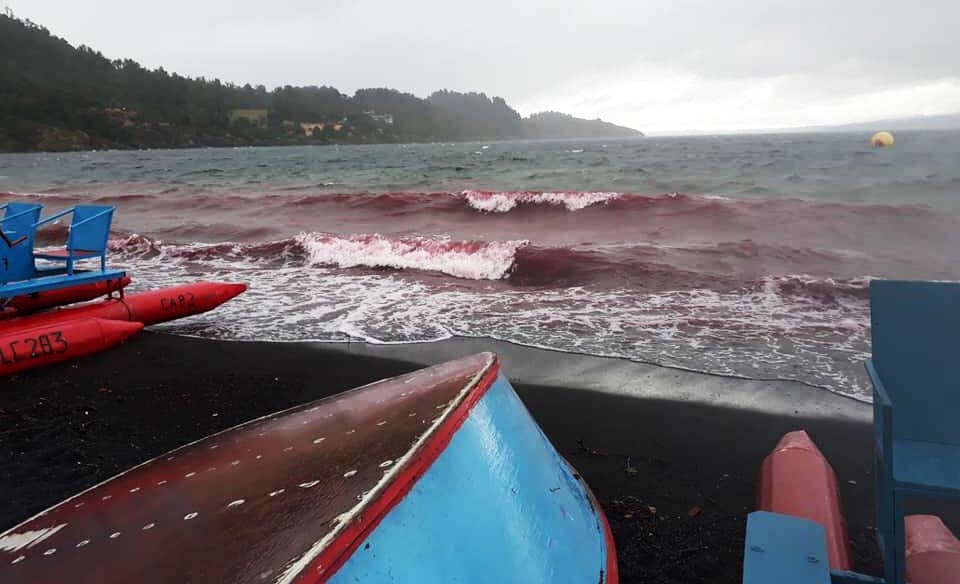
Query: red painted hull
{"points": [[797, 480], [60, 341], [391, 482], [145, 307], [933, 552], [51, 298]]}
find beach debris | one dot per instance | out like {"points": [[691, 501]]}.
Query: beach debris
{"points": [[588, 450], [652, 509], [694, 511], [629, 469], [852, 482]]}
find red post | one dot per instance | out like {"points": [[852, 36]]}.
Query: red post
{"points": [[797, 480]]}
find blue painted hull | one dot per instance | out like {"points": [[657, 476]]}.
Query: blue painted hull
{"points": [[498, 505]]}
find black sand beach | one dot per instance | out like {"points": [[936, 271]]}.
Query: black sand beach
{"points": [[676, 478]]}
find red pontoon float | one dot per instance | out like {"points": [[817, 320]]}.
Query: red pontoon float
{"points": [[152, 307], [933, 552], [440, 475], [69, 295], [55, 342]]}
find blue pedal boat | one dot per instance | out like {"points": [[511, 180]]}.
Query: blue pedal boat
{"points": [[915, 333], [440, 475], [87, 239]]}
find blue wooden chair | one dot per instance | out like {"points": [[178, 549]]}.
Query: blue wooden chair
{"points": [[89, 232], [16, 249], [781, 549], [916, 401]]}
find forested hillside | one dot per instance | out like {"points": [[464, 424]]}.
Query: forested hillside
{"points": [[54, 96]]}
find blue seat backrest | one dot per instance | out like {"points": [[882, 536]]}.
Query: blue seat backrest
{"points": [[90, 228], [19, 220], [916, 352], [22, 218]]}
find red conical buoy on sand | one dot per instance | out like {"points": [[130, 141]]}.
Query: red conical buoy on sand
{"points": [[797, 480]]}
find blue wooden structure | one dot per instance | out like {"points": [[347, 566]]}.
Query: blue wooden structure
{"points": [[16, 250], [916, 333], [784, 549], [790, 550], [87, 239], [89, 232], [916, 328]]}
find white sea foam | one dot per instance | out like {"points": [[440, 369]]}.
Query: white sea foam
{"points": [[475, 260], [502, 202], [797, 327]]}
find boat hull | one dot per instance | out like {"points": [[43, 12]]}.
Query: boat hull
{"points": [[497, 505], [436, 476]]}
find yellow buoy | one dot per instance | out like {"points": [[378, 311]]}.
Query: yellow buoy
{"points": [[882, 139]]}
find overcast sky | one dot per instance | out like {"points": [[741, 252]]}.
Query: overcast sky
{"points": [[658, 66]]}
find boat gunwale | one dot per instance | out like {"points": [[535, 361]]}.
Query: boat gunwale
{"points": [[332, 552], [612, 573]]}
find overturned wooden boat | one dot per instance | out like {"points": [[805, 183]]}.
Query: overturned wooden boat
{"points": [[436, 476]]}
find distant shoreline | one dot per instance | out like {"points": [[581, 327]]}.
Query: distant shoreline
{"points": [[290, 144]]}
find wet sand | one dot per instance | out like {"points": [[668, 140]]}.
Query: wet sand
{"points": [[676, 476]]}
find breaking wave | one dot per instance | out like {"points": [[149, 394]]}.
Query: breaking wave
{"points": [[502, 202], [518, 263], [474, 260]]}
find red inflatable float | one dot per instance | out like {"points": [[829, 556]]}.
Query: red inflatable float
{"points": [[81, 293], [933, 552], [145, 307], [50, 343], [797, 480]]}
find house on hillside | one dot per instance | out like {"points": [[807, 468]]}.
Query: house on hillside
{"points": [[254, 117], [382, 118], [310, 127], [121, 116]]}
